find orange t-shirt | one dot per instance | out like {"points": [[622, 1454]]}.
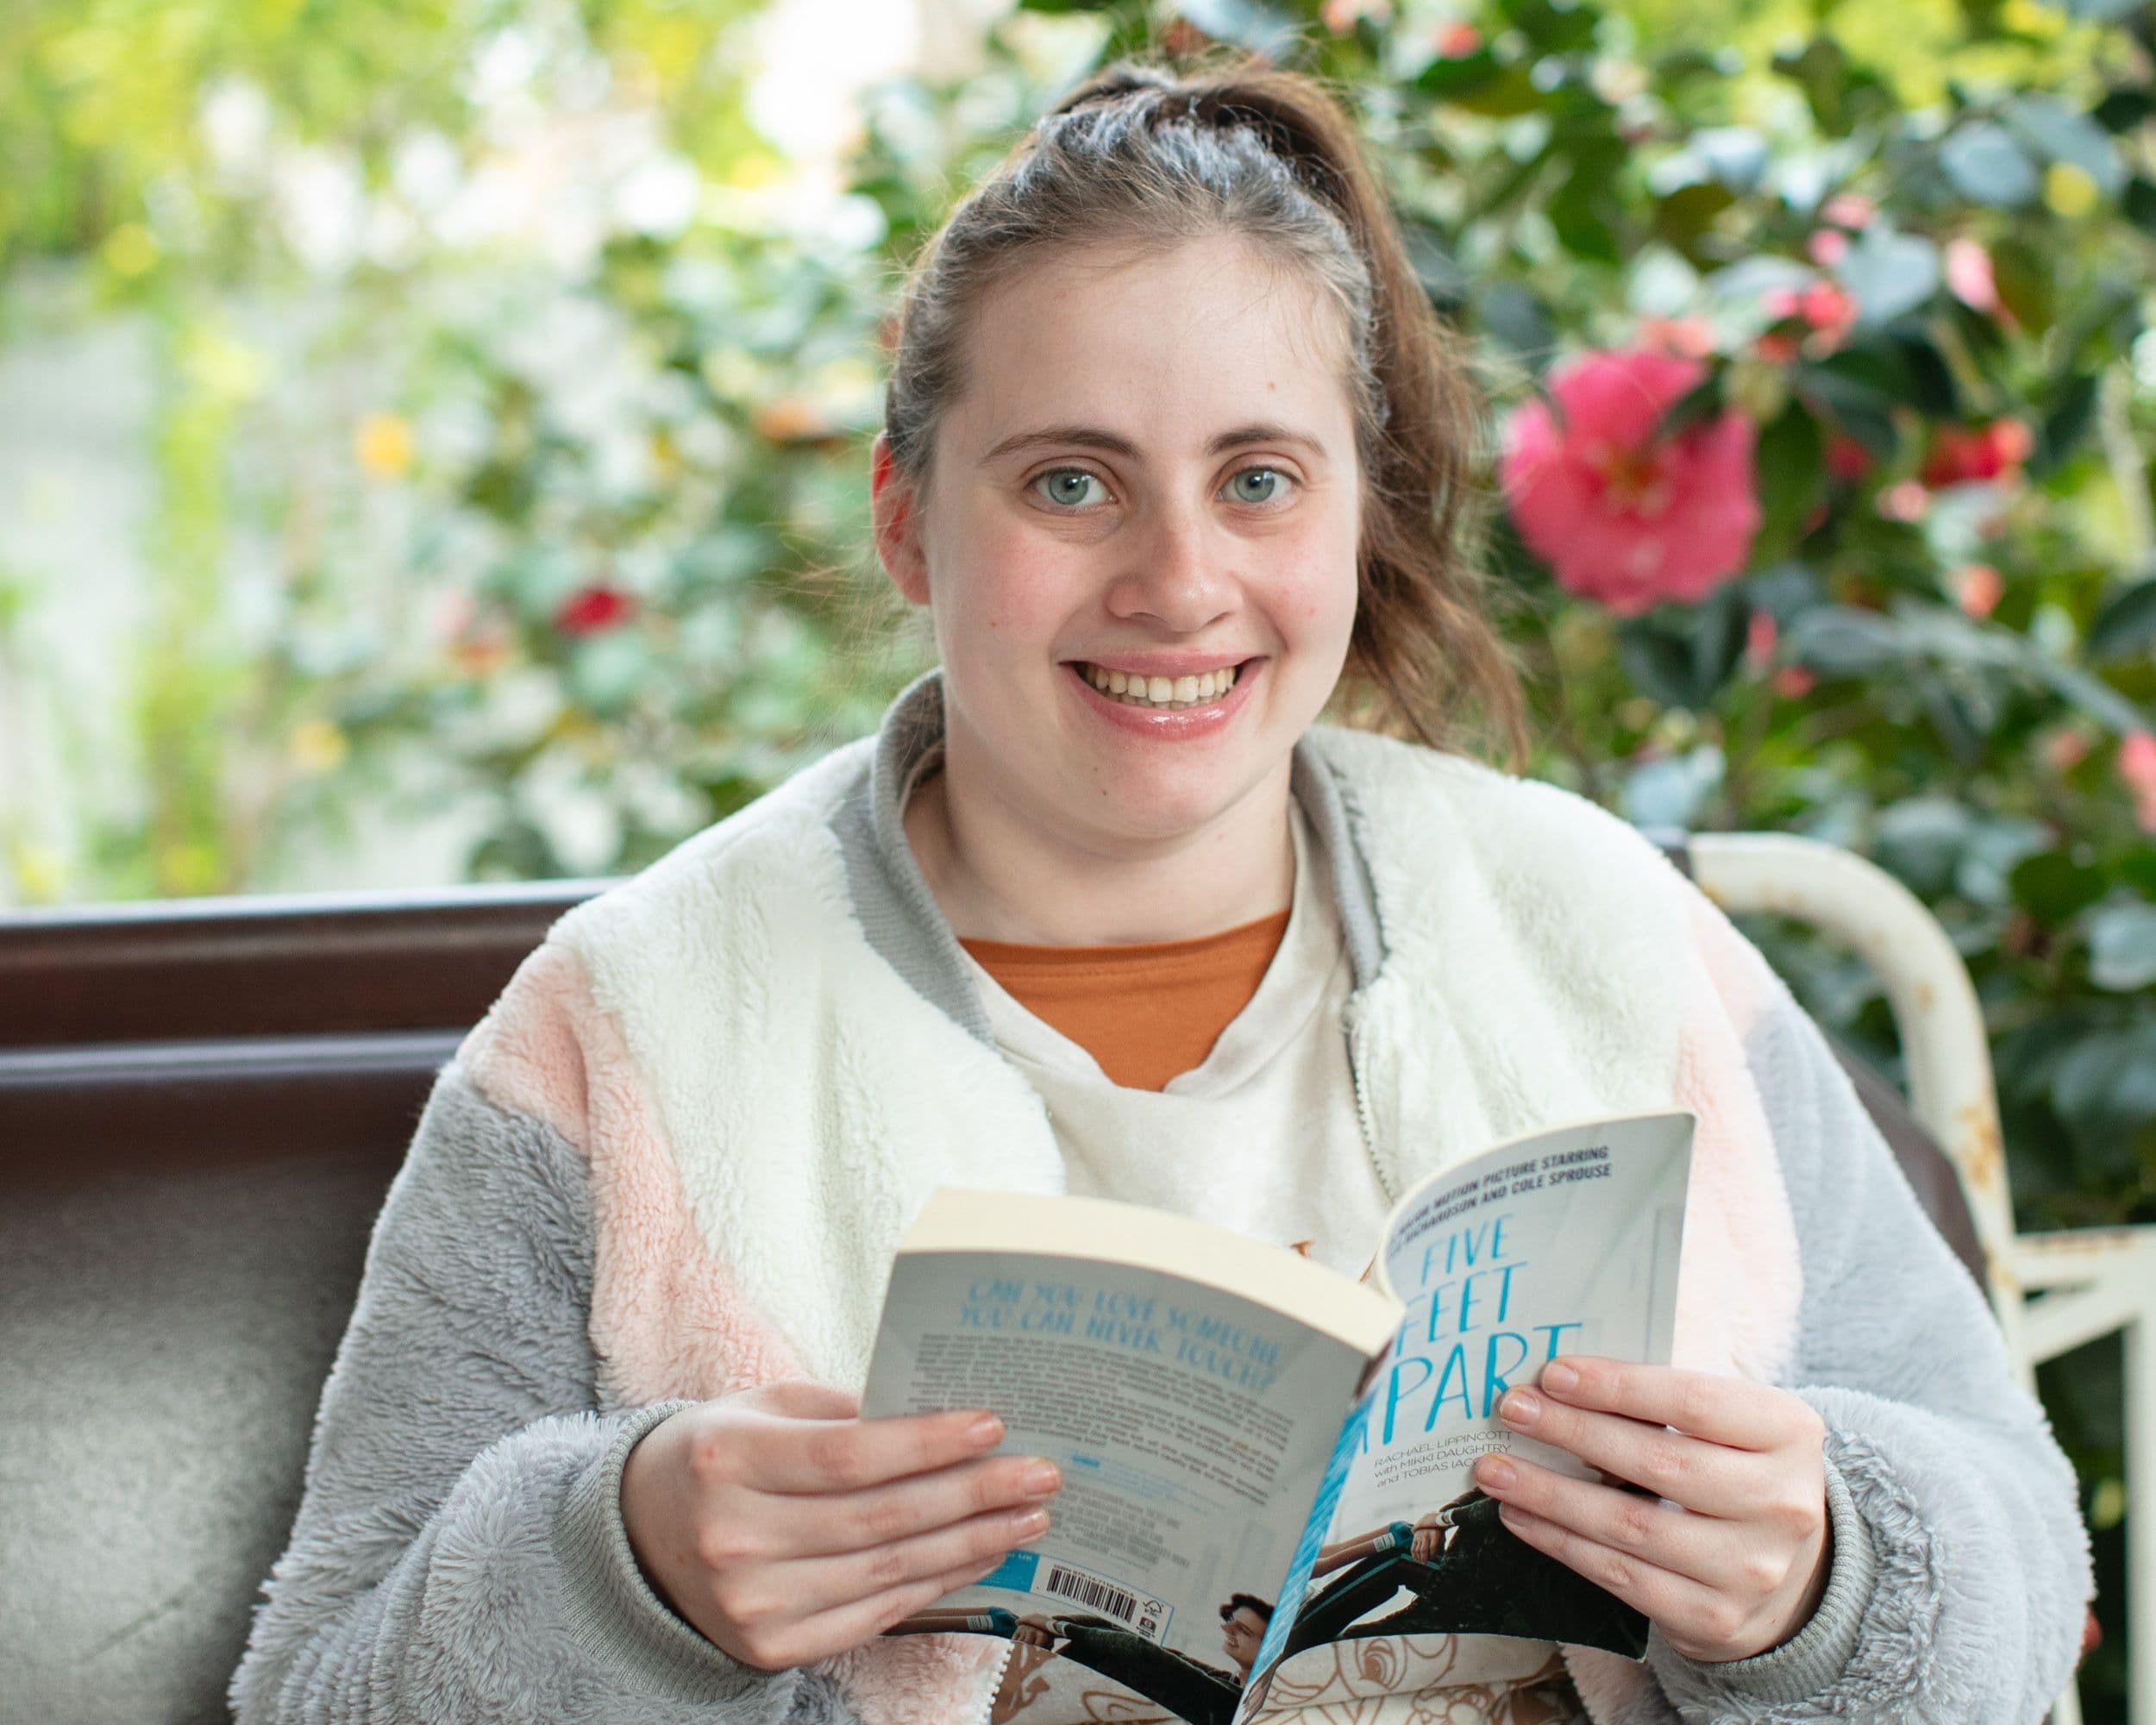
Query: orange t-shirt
{"points": [[1145, 1012]]}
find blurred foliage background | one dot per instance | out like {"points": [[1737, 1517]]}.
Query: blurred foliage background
{"points": [[414, 411]]}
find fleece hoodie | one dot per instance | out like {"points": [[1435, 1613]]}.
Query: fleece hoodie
{"points": [[675, 1158]]}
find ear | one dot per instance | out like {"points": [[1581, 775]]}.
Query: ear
{"points": [[891, 507]]}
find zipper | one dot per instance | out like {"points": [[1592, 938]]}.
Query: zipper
{"points": [[996, 1688], [1352, 1017]]}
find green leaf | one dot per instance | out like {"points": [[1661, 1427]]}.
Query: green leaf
{"points": [[1686, 217], [2139, 203], [1734, 156], [2105, 1088], [1889, 273], [1931, 387], [1658, 660], [1452, 80], [1841, 641], [2126, 623], [1791, 464], [2122, 110], [2122, 947], [2066, 422], [2052, 887], [2025, 280], [1919, 841], [1862, 411], [1986, 165], [1554, 26], [2059, 135], [1512, 314]]}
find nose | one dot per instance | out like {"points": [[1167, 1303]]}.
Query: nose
{"points": [[1178, 573]]}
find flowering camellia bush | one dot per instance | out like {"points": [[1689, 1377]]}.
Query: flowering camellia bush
{"points": [[1821, 365]]}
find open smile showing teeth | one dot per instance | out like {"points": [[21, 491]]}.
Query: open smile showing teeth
{"points": [[1167, 692]]}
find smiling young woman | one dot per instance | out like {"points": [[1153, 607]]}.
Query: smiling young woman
{"points": [[1175, 454]]}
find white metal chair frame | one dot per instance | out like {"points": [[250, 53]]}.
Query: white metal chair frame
{"points": [[2089, 1282]]}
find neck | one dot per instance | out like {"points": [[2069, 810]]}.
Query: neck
{"points": [[998, 874]]}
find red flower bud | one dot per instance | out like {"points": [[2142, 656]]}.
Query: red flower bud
{"points": [[589, 611]]}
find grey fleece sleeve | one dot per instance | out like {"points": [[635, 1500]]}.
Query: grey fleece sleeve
{"points": [[459, 1551], [1961, 1567]]}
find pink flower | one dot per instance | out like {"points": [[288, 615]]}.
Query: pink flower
{"points": [[1456, 41], [1691, 338], [1621, 515], [1792, 683], [2064, 749], [1761, 633], [1823, 305], [1905, 500], [590, 610], [1827, 247], [1848, 209], [2137, 771], [1977, 588], [1970, 279], [1960, 457]]}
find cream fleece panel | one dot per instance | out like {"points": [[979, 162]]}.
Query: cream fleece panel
{"points": [[807, 1096], [667, 1319], [1519, 988]]}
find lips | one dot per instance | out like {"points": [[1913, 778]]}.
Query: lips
{"points": [[1171, 720]]}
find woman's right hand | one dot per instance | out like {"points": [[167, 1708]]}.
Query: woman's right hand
{"points": [[787, 1529]]}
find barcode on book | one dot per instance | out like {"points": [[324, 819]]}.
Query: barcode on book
{"points": [[1148, 1616]]}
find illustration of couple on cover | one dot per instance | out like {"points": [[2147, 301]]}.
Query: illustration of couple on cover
{"points": [[1464, 1571]]}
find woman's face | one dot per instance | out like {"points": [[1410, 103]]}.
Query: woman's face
{"points": [[1151, 479]]}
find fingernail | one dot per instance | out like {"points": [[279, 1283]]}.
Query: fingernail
{"points": [[1032, 1523], [1561, 1377], [1040, 1479], [1521, 1407], [1497, 1473], [987, 1429]]}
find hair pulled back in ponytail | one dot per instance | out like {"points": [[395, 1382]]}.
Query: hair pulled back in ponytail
{"points": [[1142, 158]]}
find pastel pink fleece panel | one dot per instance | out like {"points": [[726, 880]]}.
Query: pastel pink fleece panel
{"points": [[667, 1321], [1741, 1277]]}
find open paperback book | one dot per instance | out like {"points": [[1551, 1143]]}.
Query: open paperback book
{"points": [[1263, 1459]]}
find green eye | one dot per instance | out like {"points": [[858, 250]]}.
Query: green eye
{"points": [[1066, 485], [1268, 477]]}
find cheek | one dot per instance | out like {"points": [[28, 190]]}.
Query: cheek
{"points": [[1011, 590], [1314, 586]]}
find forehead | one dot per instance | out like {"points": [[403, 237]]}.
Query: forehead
{"points": [[1167, 348], [1245, 1618]]}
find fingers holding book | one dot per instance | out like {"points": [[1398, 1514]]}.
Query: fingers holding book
{"points": [[1725, 1545], [786, 1528]]}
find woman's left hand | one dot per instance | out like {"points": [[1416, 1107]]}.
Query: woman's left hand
{"points": [[1735, 1562]]}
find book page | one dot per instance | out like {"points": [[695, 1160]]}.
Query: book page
{"points": [[1566, 1242], [1192, 1425]]}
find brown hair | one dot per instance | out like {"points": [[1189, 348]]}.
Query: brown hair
{"points": [[1141, 157]]}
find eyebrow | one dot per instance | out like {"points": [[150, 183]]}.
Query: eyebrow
{"points": [[1094, 438]]}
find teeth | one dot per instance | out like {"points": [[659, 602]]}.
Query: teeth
{"points": [[1167, 692]]}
